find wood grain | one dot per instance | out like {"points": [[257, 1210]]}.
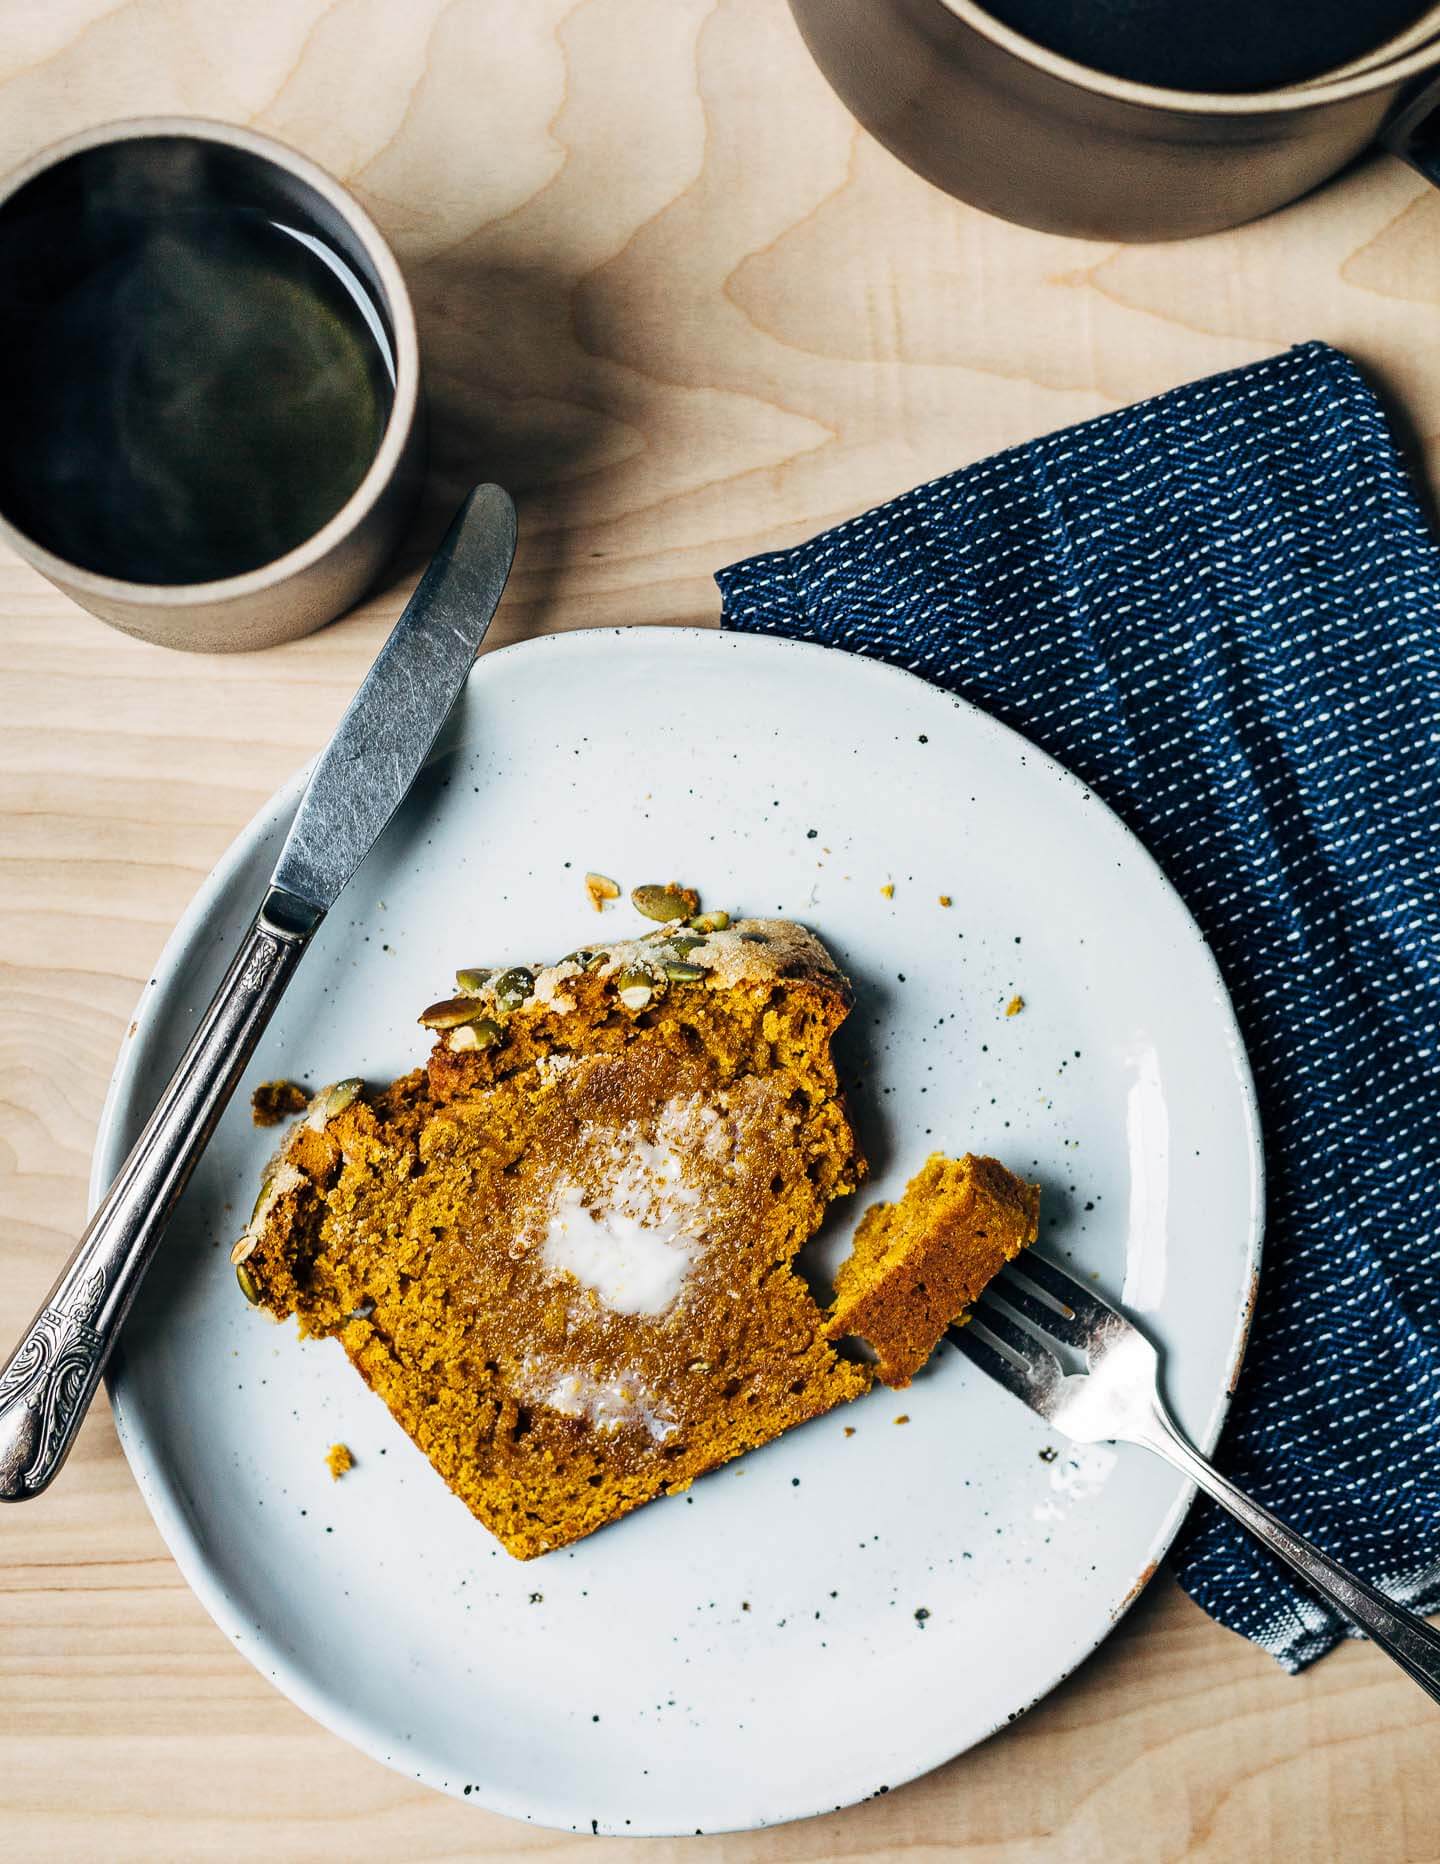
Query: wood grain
{"points": [[674, 297]]}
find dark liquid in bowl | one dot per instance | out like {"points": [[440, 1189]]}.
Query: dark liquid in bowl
{"points": [[1210, 45], [187, 389]]}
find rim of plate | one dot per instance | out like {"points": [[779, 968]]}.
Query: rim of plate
{"points": [[147, 1465]]}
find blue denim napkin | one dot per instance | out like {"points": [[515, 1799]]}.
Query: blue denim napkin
{"points": [[1221, 608]]}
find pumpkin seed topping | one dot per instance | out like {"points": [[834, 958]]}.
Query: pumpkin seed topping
{"points": [[637, 989], [671, 902], [512, 987], [483, 1034], [450, 1012], [331, 1101]]}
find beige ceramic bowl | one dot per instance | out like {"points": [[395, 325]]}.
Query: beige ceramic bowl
{"points": [[1421, 33], [998, 120], [331, 569]]}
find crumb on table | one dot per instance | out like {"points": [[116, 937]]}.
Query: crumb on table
{"points": [[338, 1460], [888, 890], [1014, 1006], [274, 1101], [945, 900]]}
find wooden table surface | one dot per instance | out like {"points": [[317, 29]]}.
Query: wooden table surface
{"points": [[671, 295]]}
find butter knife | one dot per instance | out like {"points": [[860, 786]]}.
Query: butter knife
{"points": [[357, 783]]}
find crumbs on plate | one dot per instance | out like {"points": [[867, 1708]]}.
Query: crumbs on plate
{"points": [[338, 1460], [600, 889], [274, 1101]]}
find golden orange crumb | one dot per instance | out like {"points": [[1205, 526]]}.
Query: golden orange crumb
{"points": [[1014, 1006], [601, 888], [274, 1101], [888, 890], [945, 900], [904, 1418], [338, 1460], [849, 1430]]}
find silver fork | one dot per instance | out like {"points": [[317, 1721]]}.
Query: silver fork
{"points": [[1118, 1399]]}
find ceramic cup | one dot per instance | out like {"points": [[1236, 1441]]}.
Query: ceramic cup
{"points": [[998, 120], [325, 573], [1421, 32]]}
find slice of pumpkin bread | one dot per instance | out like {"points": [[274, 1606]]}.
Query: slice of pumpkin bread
{"points": [[917, 1265], [561, 1252]]}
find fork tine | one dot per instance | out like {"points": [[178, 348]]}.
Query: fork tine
{"points": [[1089, 1310], [1019, 1340], [975, 1343], [1048, 1314]]}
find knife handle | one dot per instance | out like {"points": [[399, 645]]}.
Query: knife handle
{"points": [[48, 1381]]}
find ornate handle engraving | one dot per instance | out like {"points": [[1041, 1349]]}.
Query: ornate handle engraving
{"points": [[55, 1368], [260, 961], [48, 1382]]}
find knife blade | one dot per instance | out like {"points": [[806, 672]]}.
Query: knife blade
{"points": [[364, 772]]}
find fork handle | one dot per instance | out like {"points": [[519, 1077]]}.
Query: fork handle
{"points": [[1413, 1644]]}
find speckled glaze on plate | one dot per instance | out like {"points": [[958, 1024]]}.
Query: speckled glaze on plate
{"points": [[834, 1614]]}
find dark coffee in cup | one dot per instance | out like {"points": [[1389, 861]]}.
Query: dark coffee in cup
{"points": [[1210, 45], [194, 375]]}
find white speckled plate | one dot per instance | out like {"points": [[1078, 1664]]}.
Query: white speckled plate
{"points": [[836, 1613]]}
